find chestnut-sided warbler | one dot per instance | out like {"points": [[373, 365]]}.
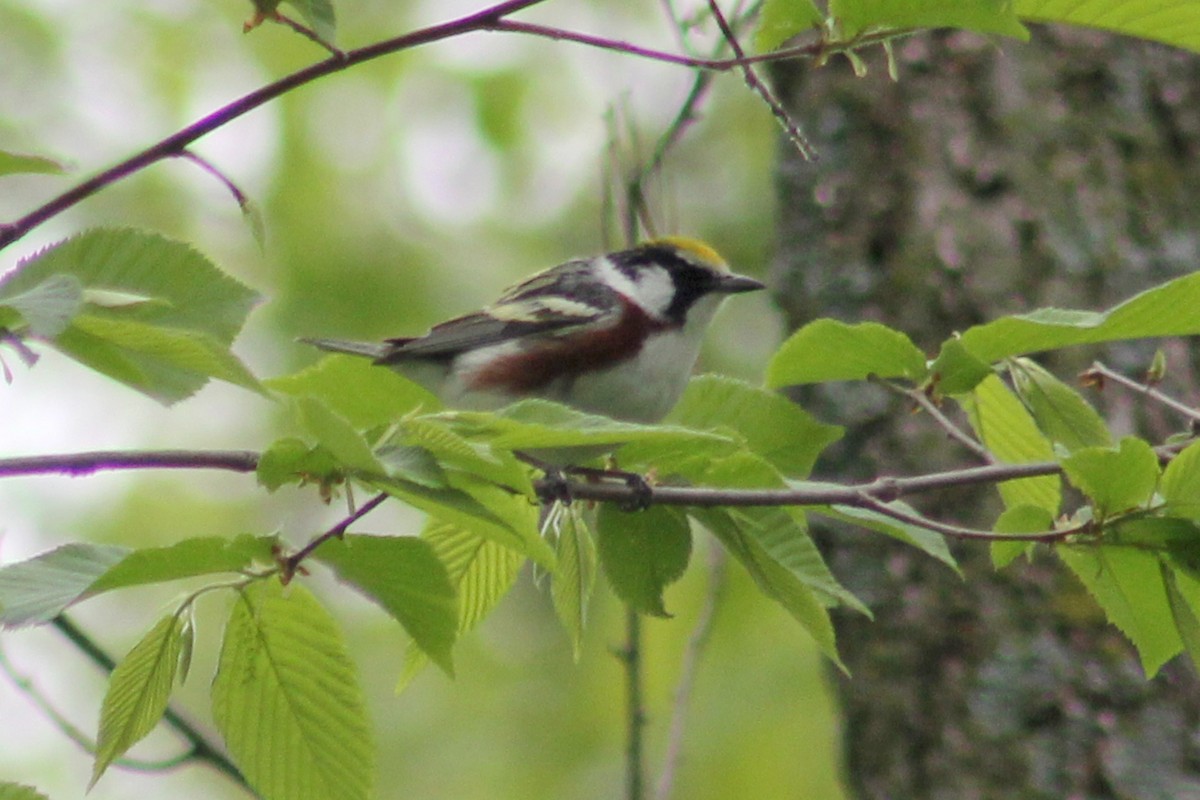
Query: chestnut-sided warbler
{"points": [[616, 334]]}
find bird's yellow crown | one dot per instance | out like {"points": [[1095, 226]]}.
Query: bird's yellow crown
{"points": [[694, 247]]}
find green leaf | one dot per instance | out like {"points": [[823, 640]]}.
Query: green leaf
{"points": [[16, 791], [168, 341], [543, 425], [1181, 483], [319, 16], [1018, 519], [453, 451], [642, 553], [291, 460], [405, 577], [829, 350], [1008, 431], [364, 394], [925, 540], [1171, 309], [775, 580], [1173, 22], [772, 426], [138, 691], [956, 371], [189, 558], [981, 16], [780, 20], [1059, 411], [39, 589], [15, 163], [1183, 593], [573, 581], [1128, 585], [1114, 479], [49, 307], [334, 433], [286, 699]]}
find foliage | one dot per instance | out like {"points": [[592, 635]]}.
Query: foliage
{"points": [[733, 460]]}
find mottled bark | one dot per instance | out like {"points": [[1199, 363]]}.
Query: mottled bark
{"points": [[990, 179]]}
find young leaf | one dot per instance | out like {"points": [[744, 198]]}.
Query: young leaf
{"points": [[1018, 519], [572, 584], [772, 426], [1181, 483], [780, 20], [829, 350], [1006, 428], [16, 163], [286, 699], [775, 581], [291, 460], [39, 589], [189, 558], [364, 394], [642, 553], [49, 307], [455, 452], [1128, 585], [1060, 412], [333, 432], [925, 540], [138, 691], [1176, 24], [1171, 309], [1114, 479], [320, 17], [955, 370], [1183, 593], [404, 576], [171, 341], [981, 16]]}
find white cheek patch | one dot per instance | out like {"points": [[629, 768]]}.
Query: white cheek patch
{"points": [[655, 292]]}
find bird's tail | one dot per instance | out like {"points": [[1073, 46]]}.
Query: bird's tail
{"points": [[369, 349]]}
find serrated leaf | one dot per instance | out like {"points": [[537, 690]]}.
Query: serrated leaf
{"points": [[189, 558], [286, 699], [1183, 594], [364, 394], [1008, 431], [1180, 485], [1018, 519], [572, 585], [1114, 479], [642, 553], [780, 20], [49, 307], [981, 16], [138, 690], [1059, 411], [771, 426], [405, 577], [196, 308], [830, 350], [775, 581], [455, 452], [334, 433], [1128, 585], [39, 589], [481, 572], [1171, 309], [1174, 22], [17, 163]]}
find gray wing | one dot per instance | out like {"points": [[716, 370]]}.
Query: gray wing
{"points": [[561, 301]]}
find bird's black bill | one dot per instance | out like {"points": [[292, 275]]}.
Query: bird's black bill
{"points": [[733, 284]]}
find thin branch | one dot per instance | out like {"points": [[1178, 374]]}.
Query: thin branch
{"points": [[1098, 373], [635, 713], [201, 749], [178, 142], [958, 532], [76, 464], [789, 125], [238, 195], [718, 558], [952, 430], [289, 565]]}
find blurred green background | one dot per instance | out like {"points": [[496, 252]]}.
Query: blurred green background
{"points": [[397, 193]]}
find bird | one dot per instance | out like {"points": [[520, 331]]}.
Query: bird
{"points": [[616, 334]]}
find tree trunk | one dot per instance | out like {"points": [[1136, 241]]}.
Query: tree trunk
{"points": [[990, 180]]}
